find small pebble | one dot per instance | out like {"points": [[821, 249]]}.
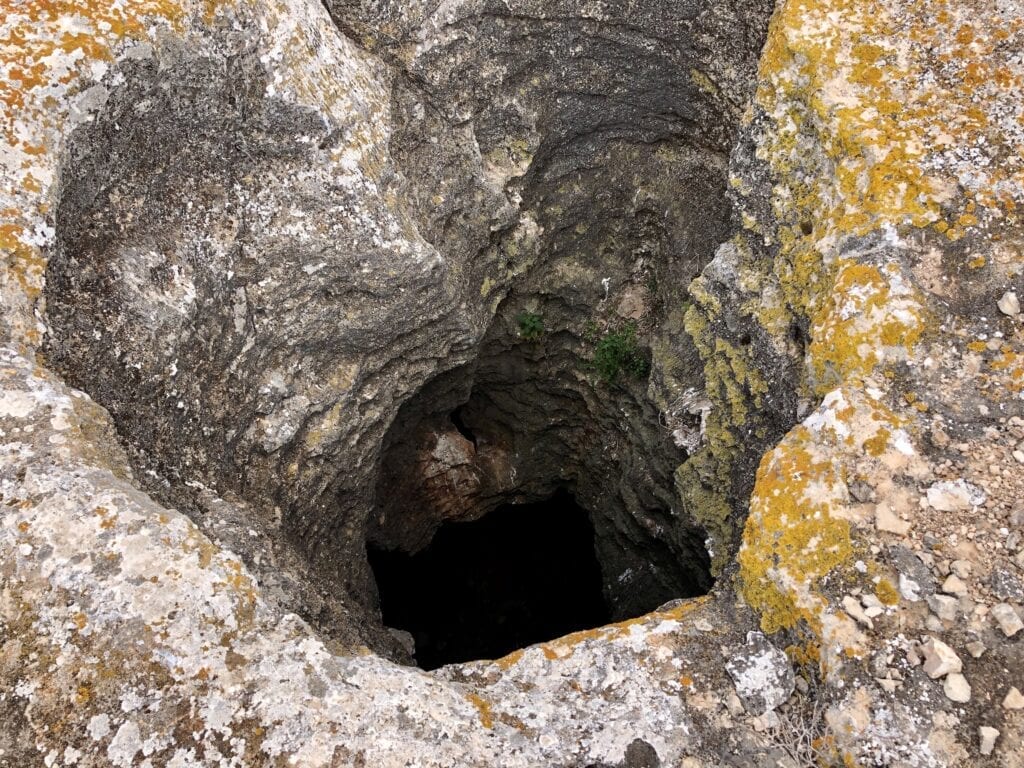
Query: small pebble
{"points": [[1007, 619], [1014, 699], [987, 735], [1009, 304], [954, 585], [976, 649], [957, 688], [939, 659]]}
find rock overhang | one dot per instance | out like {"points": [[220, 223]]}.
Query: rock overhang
{"points": [[806, 548]]}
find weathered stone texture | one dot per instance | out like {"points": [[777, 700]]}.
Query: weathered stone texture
{"points": [[277, 243]]}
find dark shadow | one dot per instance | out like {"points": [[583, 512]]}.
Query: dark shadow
{"points": [[522, 574], [460, 424]]}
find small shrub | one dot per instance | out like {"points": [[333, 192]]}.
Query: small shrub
{"points": [[802, 732], [618, 352], [531, 326]]}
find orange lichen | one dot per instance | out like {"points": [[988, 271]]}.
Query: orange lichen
{"points": [[871, 316], [509, 661], [886, 592], [564, 646], [484, 708], [871, 85], [50, 50], [1011, 365], [34, 31], [791, 540]]}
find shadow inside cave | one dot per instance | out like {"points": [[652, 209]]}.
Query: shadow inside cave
{"points": [[521, 574]]}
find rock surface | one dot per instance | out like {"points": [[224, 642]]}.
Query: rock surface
{"points": [[762, 675], [255, 256]]}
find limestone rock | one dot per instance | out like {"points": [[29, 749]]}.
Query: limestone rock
{"points": [[976, 649], [987, 736], [943, 606], [1009, 304], [953, 496], [853, 607], [888, 521], [1014, 699], [954, 585], [1006, 585], [1007, 619], [761, 673], [915, 580], [939, 659], [263, 268], [956, 688]]}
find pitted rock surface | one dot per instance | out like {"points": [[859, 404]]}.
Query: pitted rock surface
{"points": [[761, 673], [256, 255]]}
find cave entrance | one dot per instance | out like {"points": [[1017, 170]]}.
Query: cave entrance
{"points": [[521, 574]]}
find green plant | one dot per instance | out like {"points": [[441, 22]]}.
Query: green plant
{"points": [[618, 351], [531, 326], [652, 284]]}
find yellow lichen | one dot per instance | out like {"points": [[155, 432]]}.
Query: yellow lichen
{"points": [[484, 708], [886, 592], [791, 540], [49, 51], [870, 84], [871, 317]]}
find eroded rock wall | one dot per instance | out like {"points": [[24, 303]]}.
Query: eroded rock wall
{"points": [[218, 183], [878, 180], [253, 272]]}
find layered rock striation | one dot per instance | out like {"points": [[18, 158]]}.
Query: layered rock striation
{"points": [[281, 280]]}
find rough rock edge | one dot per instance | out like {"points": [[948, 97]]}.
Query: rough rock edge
{"points": [[878, 186], [129, 636], [881, 203]]}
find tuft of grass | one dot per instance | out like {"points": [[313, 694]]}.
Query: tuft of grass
{"points": [[531, 326], [618, 352]]}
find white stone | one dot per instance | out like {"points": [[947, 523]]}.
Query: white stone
{"points": [[1009, 304], [909, 589], [939, 659], [871, 601], [888, 521], [953, 496], [954, 585], [987, 735], [957, 688], [961, 568], [1007, 619], [853, 607], [762, 674], [1014, 699]]}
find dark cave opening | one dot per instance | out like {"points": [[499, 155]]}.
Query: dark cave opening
{"points": [[459, 422], [521, 574]]}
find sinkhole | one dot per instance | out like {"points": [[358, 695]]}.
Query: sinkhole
{"points": [[516, 505], [521, 574], [307, 396]]}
